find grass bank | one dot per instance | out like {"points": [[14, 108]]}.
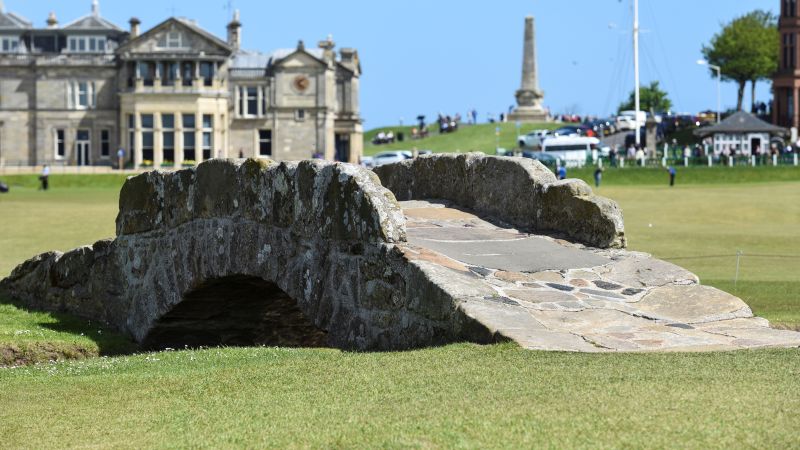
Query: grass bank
{"points": [[28, 337], [469, 138]]}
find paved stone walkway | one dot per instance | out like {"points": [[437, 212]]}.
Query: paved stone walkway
{"points": [[550, 294]]}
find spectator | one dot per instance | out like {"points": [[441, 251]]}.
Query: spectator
{"points": [[45, 177], [598, 176]]}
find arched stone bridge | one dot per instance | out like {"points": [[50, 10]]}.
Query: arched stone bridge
{"points": [[314, 253]]}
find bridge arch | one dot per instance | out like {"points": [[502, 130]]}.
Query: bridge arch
{"points": [[234, 311]]}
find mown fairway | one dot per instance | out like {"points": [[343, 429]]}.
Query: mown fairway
{"points": [[459, 395], [456, 396]]}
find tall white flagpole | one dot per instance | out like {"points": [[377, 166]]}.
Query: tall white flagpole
{"points": [[636, 68]]}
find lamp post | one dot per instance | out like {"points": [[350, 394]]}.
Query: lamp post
{"points": [[703, 62]]}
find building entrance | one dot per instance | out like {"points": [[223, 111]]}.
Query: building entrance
{"points": [[83, 146]]}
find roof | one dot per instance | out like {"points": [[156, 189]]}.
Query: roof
{"points": [[184, 23], [245, 59], [11, 21], [740, 122], [193, 25], [91, 22]]}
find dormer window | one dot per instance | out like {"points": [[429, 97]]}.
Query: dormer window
{"points": [[87, 44], [171, 40], [9, 44], [174, 40]]}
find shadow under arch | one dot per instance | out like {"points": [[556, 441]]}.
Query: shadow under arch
{"points": [[234, 311]]}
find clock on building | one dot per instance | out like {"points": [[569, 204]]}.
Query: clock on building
{"points": [[301, 83]]}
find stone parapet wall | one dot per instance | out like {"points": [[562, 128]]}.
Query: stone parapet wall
{"points": [[312, 198], [519, 191]]}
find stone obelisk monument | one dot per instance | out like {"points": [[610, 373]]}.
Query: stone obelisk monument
{"points": [[529, 97]]}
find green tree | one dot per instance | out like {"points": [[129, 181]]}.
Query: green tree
{"points": [[746, 50], [651, 98]]}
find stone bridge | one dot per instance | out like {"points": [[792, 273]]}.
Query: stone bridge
{"points": [[479, 249]]}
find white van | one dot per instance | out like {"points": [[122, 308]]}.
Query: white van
{"points": [[572, 151], [626, 120]]}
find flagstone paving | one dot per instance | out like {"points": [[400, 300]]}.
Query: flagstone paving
{"points": [[550, 294]]}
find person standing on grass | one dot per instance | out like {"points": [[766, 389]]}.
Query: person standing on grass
{"points": [[562, 172], [672, 173], [121, 158], [598, 176], [44, 177]]}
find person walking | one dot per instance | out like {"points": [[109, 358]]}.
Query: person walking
{"points": [[121, 158], [598, 176], [44, 177], [672, 173]]}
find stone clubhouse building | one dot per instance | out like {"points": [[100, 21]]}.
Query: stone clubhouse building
{"points": [[173, 95]]}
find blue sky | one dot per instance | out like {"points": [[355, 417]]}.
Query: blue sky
{"points": [[422, 57]]}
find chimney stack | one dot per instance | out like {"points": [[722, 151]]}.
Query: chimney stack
{"points": [[95, 8], [235, 32], [52, 22], [134, 27], [327, 47]]}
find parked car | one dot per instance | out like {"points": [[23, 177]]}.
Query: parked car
{"points": [[389, 157], [548, 159], [533, 139], [626, 120], [571, 130], [603, 127], [572, 151]]}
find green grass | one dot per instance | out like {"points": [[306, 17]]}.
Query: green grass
{"points": [[100, 181], [469, 138], [636, 176], [59, 219], [455, 396]]}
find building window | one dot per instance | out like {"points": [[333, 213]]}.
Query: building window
{"points": [[9, 44], [105, 143], [300, 115], [147, 71], [187, 74], [248, 101], [60, 148], [81, 95], [188, 122], [265, 143], [789, 50], [168, 136], [208, 135], [87, 44], [131, 133], [207, 72], [174, 40], [147, 137], [168, 72]]}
